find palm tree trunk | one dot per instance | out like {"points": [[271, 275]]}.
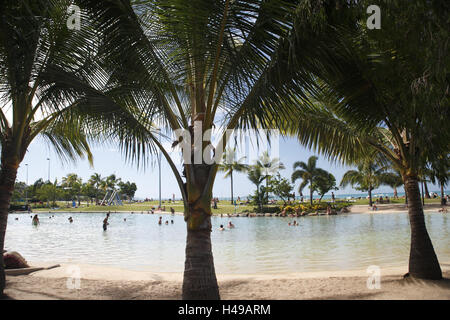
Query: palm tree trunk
{"points": [[442, 194], [423, 262], [310, 193], [423, 199], [370, 196], [427, 193], [231, 176], [7, 179], [199, 281]]}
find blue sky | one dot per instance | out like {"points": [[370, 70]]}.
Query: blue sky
{"points": [[108, 160]]}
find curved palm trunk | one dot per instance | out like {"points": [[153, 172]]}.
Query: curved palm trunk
{"points": [[427, 193], [199, 280], [231, 176], [423, 262], [7, 179]]}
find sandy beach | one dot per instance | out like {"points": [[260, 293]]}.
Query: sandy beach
{"points": [[100, 283]]}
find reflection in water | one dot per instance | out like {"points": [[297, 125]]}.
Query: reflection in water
{"points": [[256, 245]]}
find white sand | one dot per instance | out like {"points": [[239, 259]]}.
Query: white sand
{"points": [[98, 282]]}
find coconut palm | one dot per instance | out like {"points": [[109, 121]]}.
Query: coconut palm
{"points": [[308, 172], [202, 64], [96, 180], [393, 180], [377, 90], [269, 167], [440, 173], [52, 85], [256, 176], [367, 177], [230, 164]]}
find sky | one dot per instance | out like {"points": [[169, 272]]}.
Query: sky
{"points": [[108, 160]]}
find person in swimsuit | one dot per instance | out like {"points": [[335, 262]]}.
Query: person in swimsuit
{"points": [[35, 221], [105, 222]]}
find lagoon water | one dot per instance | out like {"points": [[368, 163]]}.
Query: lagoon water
{"points": [[256, 245]]}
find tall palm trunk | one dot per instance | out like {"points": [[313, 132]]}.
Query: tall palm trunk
{"points": [[199, 281], [311, 192], [427, 193], [231, 176], [423, 262], [370, 196], [442, 194], [8, 174]]}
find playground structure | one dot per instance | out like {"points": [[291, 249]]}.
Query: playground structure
{"points": [[111, 198]]}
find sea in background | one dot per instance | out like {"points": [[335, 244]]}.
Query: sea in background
{"points": [[347, 196]]}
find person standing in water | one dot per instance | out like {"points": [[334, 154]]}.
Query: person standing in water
{"points": [[160, 221], [105, 222], [35, 221]]}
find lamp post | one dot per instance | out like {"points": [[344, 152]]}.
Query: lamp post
{"points": [[48, 200], [159, 168], [26, 187], [48, 169]]}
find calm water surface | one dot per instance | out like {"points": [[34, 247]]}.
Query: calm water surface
{"points": [[256, 245]]}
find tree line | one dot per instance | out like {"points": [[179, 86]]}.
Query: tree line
{"points": [[72, 188]]}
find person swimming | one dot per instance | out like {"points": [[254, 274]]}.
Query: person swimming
{"points": [[35, 221], [171, 221], [230, 225], [167, 222], [70, 219], [221, 228]]}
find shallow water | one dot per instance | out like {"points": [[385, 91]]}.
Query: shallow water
{"points": [[256, 245]]}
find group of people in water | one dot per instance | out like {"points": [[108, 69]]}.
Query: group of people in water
{"points": [[230, 226], [166, 223]]}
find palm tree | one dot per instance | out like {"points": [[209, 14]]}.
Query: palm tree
{"points": [[367, 177], [308, 172], [111, 182], [269, 167], [256, 176], [393, 180], [96, 180], [376, 90], [440, 173], [199, 63], [52, 85], [230, 164]]}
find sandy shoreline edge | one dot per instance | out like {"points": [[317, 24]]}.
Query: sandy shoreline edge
{"points": [[100, 283]]}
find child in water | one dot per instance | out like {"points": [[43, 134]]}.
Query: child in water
{"points": [[35, 221]]}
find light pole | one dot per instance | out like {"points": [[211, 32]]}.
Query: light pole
{"points": [[48, 200], [26, 187], [159, 167], [48, 169]]}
